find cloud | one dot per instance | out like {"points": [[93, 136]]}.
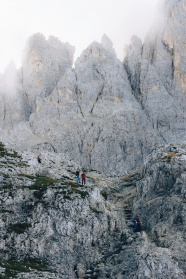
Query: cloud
{"points": [[77, 21]]}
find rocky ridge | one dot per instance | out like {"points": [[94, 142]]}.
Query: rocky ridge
{"points": [[53, 228], [156, 70], [115, 110], [122, 122]]}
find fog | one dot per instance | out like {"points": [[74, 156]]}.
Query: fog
{"points": [[78, 22]]}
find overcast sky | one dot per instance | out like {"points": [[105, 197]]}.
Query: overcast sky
{"points": [[78, 22]]}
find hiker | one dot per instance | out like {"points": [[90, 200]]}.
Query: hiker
{"points": [[135, 225], [138, 226], [137, 218], [83, 178], [78, 176], [39, 159]]}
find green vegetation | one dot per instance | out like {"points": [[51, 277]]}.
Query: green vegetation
{"points": [[14, 267], [39, 180], [40, 185], [6, 187], [7, 163], [5, 175], [19, 227], [4, 152], [43, 181]]}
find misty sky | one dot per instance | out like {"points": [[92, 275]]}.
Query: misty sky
{"points": [[78, 22]]}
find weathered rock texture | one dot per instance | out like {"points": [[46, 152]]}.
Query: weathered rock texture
{"points": [[160, 200], [53, 228], [105, 115], [157, 72]]}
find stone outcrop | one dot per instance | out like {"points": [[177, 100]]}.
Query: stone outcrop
{"points": [[113, 119], [164, 187], [156, 70], [104, 115], [44, 62], [11, 108], [87, 104], [56, 226], [53, 228]]}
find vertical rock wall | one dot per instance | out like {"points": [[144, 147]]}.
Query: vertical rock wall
{"points": [[157, 70]]}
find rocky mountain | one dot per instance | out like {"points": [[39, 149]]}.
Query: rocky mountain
{"points": [[116, 111], [156, 70], [125, 124], [51, 227]]}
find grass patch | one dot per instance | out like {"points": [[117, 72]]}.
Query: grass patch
{"points": [[6, 163], [13, 154], [5, 175], [6, 187], [14, 267], [44, 181], [19, 228], [4, 152], [40, 185]]}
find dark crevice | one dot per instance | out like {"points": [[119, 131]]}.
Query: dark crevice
{"points": [[171, 52], [98, 96], [78, 92]]}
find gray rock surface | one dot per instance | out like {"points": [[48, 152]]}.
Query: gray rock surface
{"points": [[87, 104], [56, 226], [156, 71], [44, 62], [53, 228], [11, 107], [164, 187], [113, 120], [102, 115]]}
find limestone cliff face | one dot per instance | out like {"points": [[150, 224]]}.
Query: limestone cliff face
{"points": [[50, 226], [104, 115], [44, 62], [161, 201], [53, 228], [93, 116], [157, 72], [11, 106]]}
